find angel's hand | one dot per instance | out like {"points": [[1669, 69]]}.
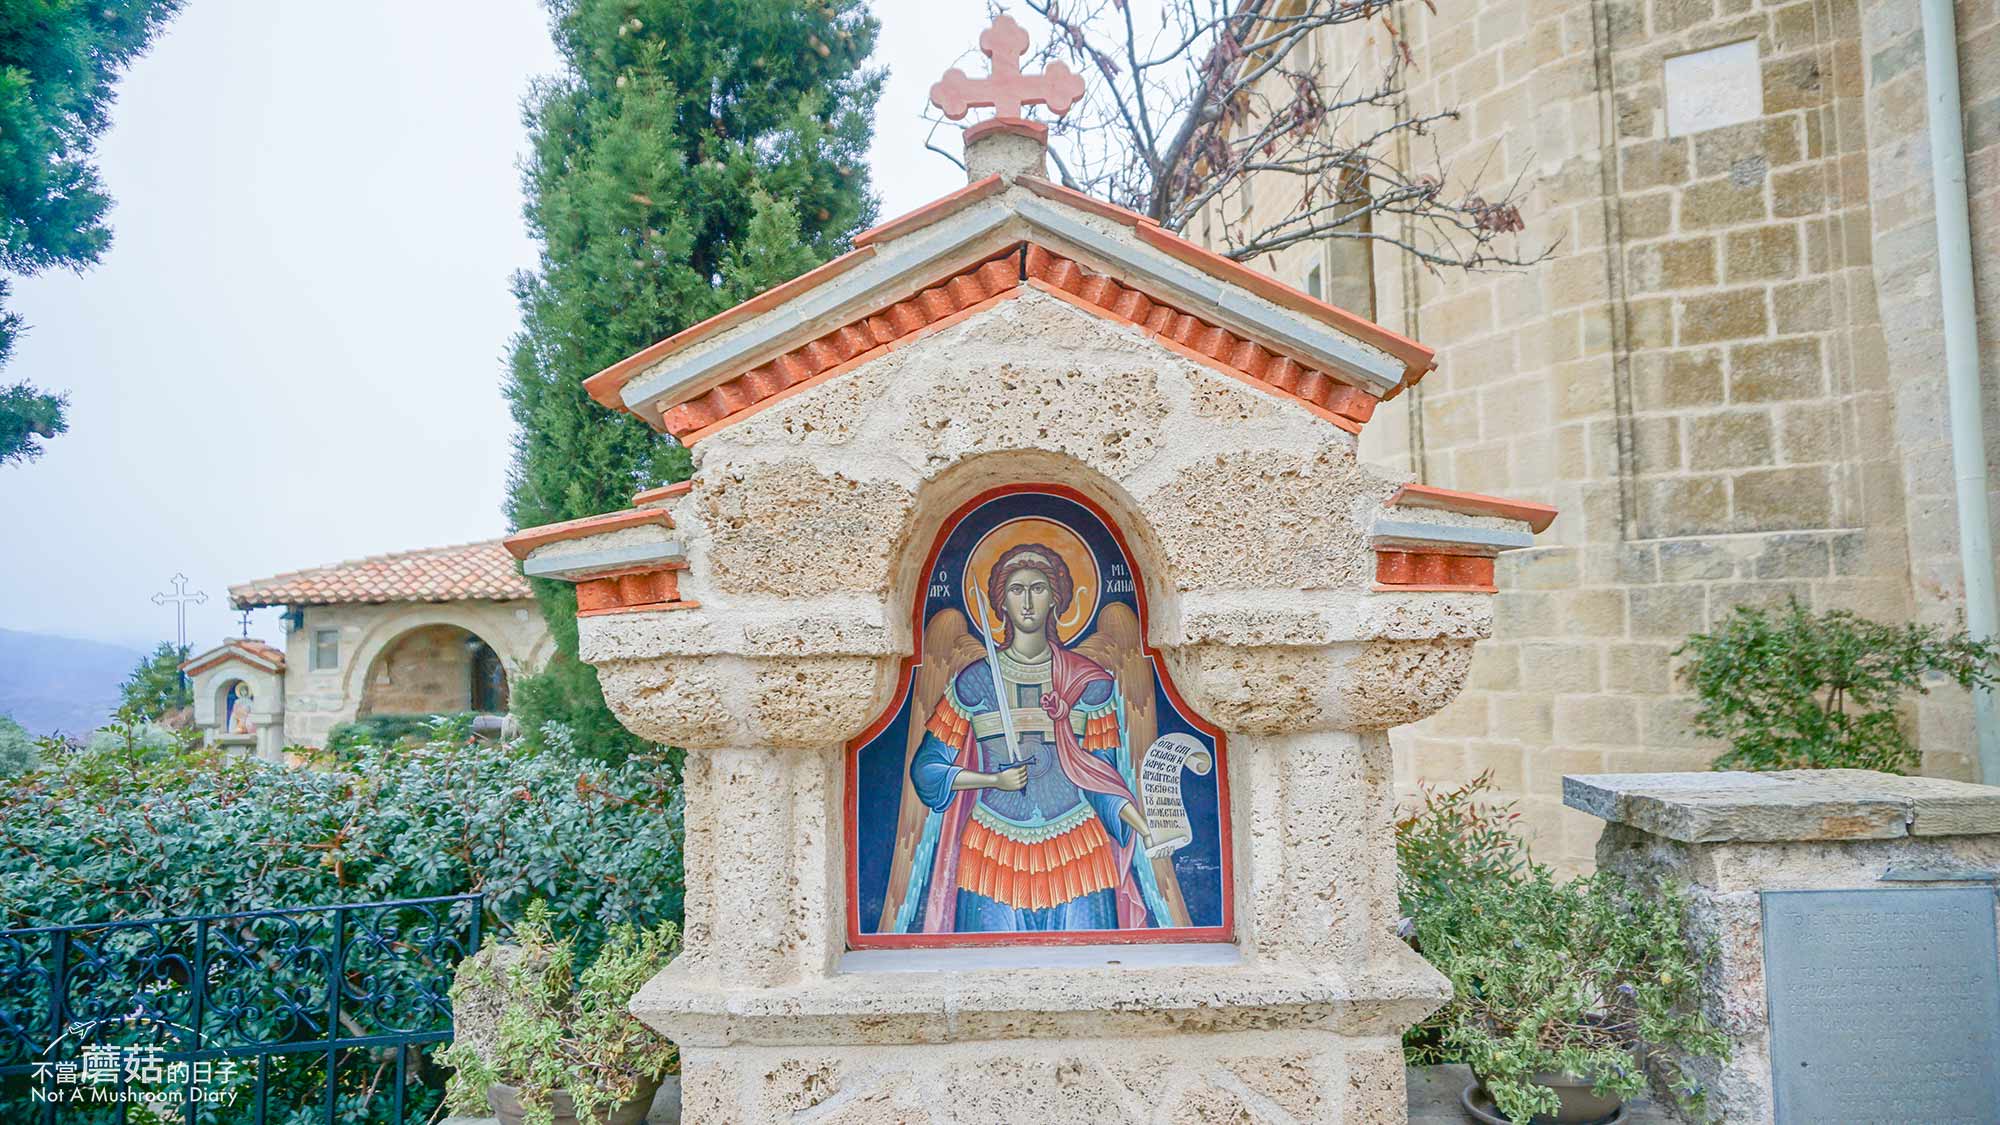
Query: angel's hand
{"points": [[1013, 779], [1137, 823]]}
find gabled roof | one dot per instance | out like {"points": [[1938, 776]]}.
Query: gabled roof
{"points": [[244, 650], [465, 572], [985, 243]]}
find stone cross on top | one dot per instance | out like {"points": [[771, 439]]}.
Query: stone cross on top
{"points": [[1006, 89]]}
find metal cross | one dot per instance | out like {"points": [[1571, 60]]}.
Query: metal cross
{"points": [[1006, 89], [180, 598], [246, 624]]}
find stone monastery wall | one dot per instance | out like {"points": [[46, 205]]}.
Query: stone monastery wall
{"points": [[1729, 377]]}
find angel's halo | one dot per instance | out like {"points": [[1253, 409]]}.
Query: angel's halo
{"points": [[1057, 538]]}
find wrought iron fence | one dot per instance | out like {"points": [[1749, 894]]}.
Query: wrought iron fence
{"points": [[219, 1018]]}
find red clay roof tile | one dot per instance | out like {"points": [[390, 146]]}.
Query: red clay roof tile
{"points": [[1538, 517], [605, 385], [465, 572], [1344, 404], [257, 651], [725, 401], [1189, 335], [1417, 359]]}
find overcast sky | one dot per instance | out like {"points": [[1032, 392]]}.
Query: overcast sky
{"points": [[291, 354]]}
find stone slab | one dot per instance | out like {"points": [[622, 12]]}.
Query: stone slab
{"points": [[1884, 1004], [1786, 805], [1712, 88], [987, 958], [921, 1000], [1484, 538]]}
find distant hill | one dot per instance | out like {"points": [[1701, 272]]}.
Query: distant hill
{"points": [[60, 684]]}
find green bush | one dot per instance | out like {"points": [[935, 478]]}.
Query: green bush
{"points": [[1578, 978], [544, 1029], [1581, 978], [143, 823], [17, 748], [1453, 839], [1800, 690], [128, 829], [395, 730], [131, 739]]}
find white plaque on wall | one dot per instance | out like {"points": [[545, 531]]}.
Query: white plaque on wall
{"points": [[1709, 89]]}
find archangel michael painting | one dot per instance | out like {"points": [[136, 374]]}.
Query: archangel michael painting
{"points": [[1039, 780]]}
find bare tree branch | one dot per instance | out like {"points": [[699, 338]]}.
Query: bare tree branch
{"points": [[1188, 101]]}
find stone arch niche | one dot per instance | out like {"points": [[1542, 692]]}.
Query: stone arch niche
{"points": [[944, 847], [235, 708]]}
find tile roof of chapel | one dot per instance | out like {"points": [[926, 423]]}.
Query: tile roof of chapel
{"points": [[482, 571], [253, 651]]}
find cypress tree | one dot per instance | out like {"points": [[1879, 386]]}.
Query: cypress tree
{"points": [[58, 62], [691, 154]]}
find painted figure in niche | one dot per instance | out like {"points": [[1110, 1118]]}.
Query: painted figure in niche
{"points": [[1022, 795], [238, 720]]}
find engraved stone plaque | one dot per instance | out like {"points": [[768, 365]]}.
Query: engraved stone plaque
{"points": [[1712, 88], [1884, 1005]]}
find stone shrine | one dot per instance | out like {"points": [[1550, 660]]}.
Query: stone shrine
{"points": [[238, 690], [1032, 632]]}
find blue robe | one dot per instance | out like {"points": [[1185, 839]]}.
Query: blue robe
{"points": [[1049, 806]]}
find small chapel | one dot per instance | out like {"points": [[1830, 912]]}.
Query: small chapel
{"points": [[1033, 631], [444, 630]]}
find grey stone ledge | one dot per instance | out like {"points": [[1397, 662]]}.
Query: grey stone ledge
{"points": [[586, 564], [1483, 540], [1786, 806]]}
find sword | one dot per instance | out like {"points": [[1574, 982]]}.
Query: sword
{"points": [[999, 682]]}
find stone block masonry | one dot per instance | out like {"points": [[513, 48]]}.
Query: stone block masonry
{"points": [[1728, 375]]}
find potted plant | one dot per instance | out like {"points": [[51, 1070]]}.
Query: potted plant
{"points": [[1559, 990], [544, 1045], [1562, 992]]}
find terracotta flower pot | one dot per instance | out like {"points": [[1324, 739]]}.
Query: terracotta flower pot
{"points": [[1580, 1106], [506, 1103]]}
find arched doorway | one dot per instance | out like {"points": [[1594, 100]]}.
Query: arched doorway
{"points": [[436, 669], [489, 681]]}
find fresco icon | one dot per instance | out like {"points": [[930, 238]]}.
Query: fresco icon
{"points": [[1039, 778]]}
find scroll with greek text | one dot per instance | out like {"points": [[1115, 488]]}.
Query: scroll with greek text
{"points": [[1160, 789]]}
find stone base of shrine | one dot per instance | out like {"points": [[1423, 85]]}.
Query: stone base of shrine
{"points": [[1258, 1076], [1140, 1041]]}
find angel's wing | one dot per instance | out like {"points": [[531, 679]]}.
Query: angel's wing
{"points": [[948, 647], [1117, 644]]}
